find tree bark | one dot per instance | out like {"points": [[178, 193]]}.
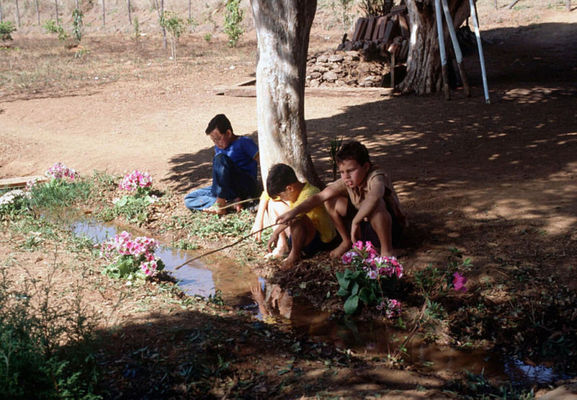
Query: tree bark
{"points": [[424, 61], [37, 11], [283, 31], [17, 14], [103, 13], [57, 17], [128, 6]]}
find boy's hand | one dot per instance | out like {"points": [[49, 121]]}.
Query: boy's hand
{"points": [[285, 218], [272, 241], [355, 231]]}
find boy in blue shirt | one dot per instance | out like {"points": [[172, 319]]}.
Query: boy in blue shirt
{"points": [[234, 170]]}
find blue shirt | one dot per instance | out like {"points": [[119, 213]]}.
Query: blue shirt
{"points": [[242, 152]]}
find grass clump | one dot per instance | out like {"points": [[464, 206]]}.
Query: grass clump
{"points": [[46, 350]]}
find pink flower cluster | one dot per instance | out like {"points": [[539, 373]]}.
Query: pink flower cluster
{"points": [[375, 265], [141, 248], [61, 171], [135, 180], [391, 308], [459, 282]]}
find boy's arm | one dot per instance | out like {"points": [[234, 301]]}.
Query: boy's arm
{"points": [[274, 237], [308, 204], [375, 194]]}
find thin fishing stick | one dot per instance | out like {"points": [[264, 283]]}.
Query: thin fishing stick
{"points": [[224, 247], [238, 202]]}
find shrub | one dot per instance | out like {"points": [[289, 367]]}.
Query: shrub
{"points": [[131, 258], [6, 29], [232, 22], [52, 27], [369, 278]]}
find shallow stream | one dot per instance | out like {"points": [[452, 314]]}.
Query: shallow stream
{"points": [[236, 285]]}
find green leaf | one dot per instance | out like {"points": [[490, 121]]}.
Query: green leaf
{"points": [[343, 292], [351, 305], [343, 280], [366, 295], [355, 289]]}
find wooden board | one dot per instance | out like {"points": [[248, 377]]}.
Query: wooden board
{"points": [[19, 181], [370, 28], [247, 91]]}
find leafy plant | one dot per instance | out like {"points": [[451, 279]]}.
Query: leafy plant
{"points": [[232, 22], [134, 206], [207, 36], [175, 27], [368, 279], [77, 24], [13, 203], [52, 26], [131, 258], [6, 29], [35, 363]]}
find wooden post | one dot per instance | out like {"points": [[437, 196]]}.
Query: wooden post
{"points": [[456, 48], [440, 34]]}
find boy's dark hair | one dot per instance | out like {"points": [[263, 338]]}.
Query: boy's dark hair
{"points": [[279, 177], [353, 151], [220, 122]]}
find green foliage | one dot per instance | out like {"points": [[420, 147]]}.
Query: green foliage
{"points": [[137, 33], [132, 207], [232, 22], [207, 36], [6, 29], [356, 287], [174, 26], [77, 24], [34, 365], [203, 225], [128, 267], [58, 193], [13, 204], [52, 27], [434, 282]]}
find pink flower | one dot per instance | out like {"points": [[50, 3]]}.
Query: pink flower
{"points": [[459, 282], [358, 245], [372, 274], [348, 257]]}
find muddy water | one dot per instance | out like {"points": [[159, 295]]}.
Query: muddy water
{"points": [[239, 287]]}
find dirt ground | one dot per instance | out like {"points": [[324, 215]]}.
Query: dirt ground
{"points": [[497, 181]]}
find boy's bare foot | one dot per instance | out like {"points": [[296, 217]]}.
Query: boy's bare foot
{"points": [[238, 205], [341, 249], [288, 262]]}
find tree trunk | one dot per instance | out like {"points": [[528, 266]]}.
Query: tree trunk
{"points": [[57, 17], [129, 12], [283, 30], [1, 12], [424, 61], [38, 11], [103, 13], [17, 14]]}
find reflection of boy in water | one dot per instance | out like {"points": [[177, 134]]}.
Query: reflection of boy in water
{"points": [[274, 301]]}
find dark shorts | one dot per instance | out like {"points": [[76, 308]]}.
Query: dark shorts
{"points": [[368, 234], [317, 245]]}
